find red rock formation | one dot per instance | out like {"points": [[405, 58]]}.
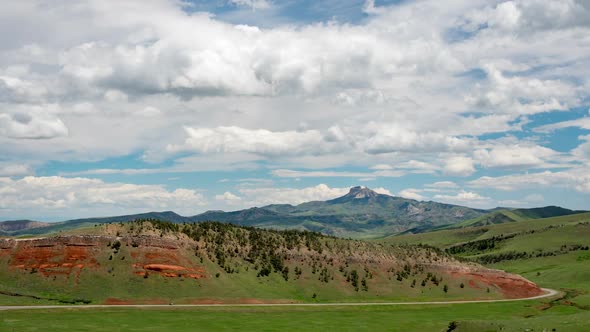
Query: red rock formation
{"points": [[71, 254]]}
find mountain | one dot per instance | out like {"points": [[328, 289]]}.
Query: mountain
{"points": [[361, 213], [155, 262]]}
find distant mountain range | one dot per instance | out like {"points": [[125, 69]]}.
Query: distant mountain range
{"points": [[361, 213]]}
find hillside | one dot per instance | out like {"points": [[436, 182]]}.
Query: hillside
{"points": [[500, 216], [525, 238], [553, 252], [149, 261]]}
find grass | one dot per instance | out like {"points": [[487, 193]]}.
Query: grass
{"points": [[389, 318], [446, 238], [123, 284]]}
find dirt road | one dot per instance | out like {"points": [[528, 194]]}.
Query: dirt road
{"points": [[548, 293]]}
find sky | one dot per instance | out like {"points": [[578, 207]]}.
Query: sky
{"points": [[116, 107]]}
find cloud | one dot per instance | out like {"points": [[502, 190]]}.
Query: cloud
{"points": [[391, 137], [529, 17], [459, 166], [270, 195], [260, 141], [577, 179], [381, 167], [228, 197], [383, 191], [75, 197], [32, 123], [115, 96], [467, 198], [522, 94], [583, 123], [8, 169], [582, 151], [411, 193], [287, 173], [515, 156], [443, 185], [253, 4], [17, 89]]}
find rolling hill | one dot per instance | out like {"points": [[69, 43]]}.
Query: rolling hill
{"points": [[553, 252], [150, 261], [491, 243], [500, 216]]}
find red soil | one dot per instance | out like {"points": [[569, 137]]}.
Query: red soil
{"points": [[240, 301], [114, 301], [163, 267], [54, 260], [512, 286], [72, 254], [165, 261]]}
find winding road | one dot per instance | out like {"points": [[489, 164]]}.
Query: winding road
{"points": [[548, 293]]}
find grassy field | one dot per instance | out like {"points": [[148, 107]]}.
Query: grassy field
{"points": [[515, 316], [569, 273]]}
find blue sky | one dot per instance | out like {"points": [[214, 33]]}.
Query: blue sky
{"points": [[134, 106]]}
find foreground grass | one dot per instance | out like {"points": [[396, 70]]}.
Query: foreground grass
{"points": [[389, 318]]}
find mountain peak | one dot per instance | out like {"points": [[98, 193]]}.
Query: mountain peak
{"points": [[361, 192]]}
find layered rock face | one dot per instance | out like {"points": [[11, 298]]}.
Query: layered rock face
{"points": [[70, 255]]}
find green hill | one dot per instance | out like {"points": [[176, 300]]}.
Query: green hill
{"points": [[500, 216], [553, 252], [150, 261]]}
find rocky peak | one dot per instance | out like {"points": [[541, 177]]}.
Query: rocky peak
{"points": [[361, 192]]}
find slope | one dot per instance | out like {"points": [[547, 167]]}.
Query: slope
{"points": [[448, 237], [149, 261], [554, 252], [500, 216]]}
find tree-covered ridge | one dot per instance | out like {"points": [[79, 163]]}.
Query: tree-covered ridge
{"points": [[238, 249]]}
